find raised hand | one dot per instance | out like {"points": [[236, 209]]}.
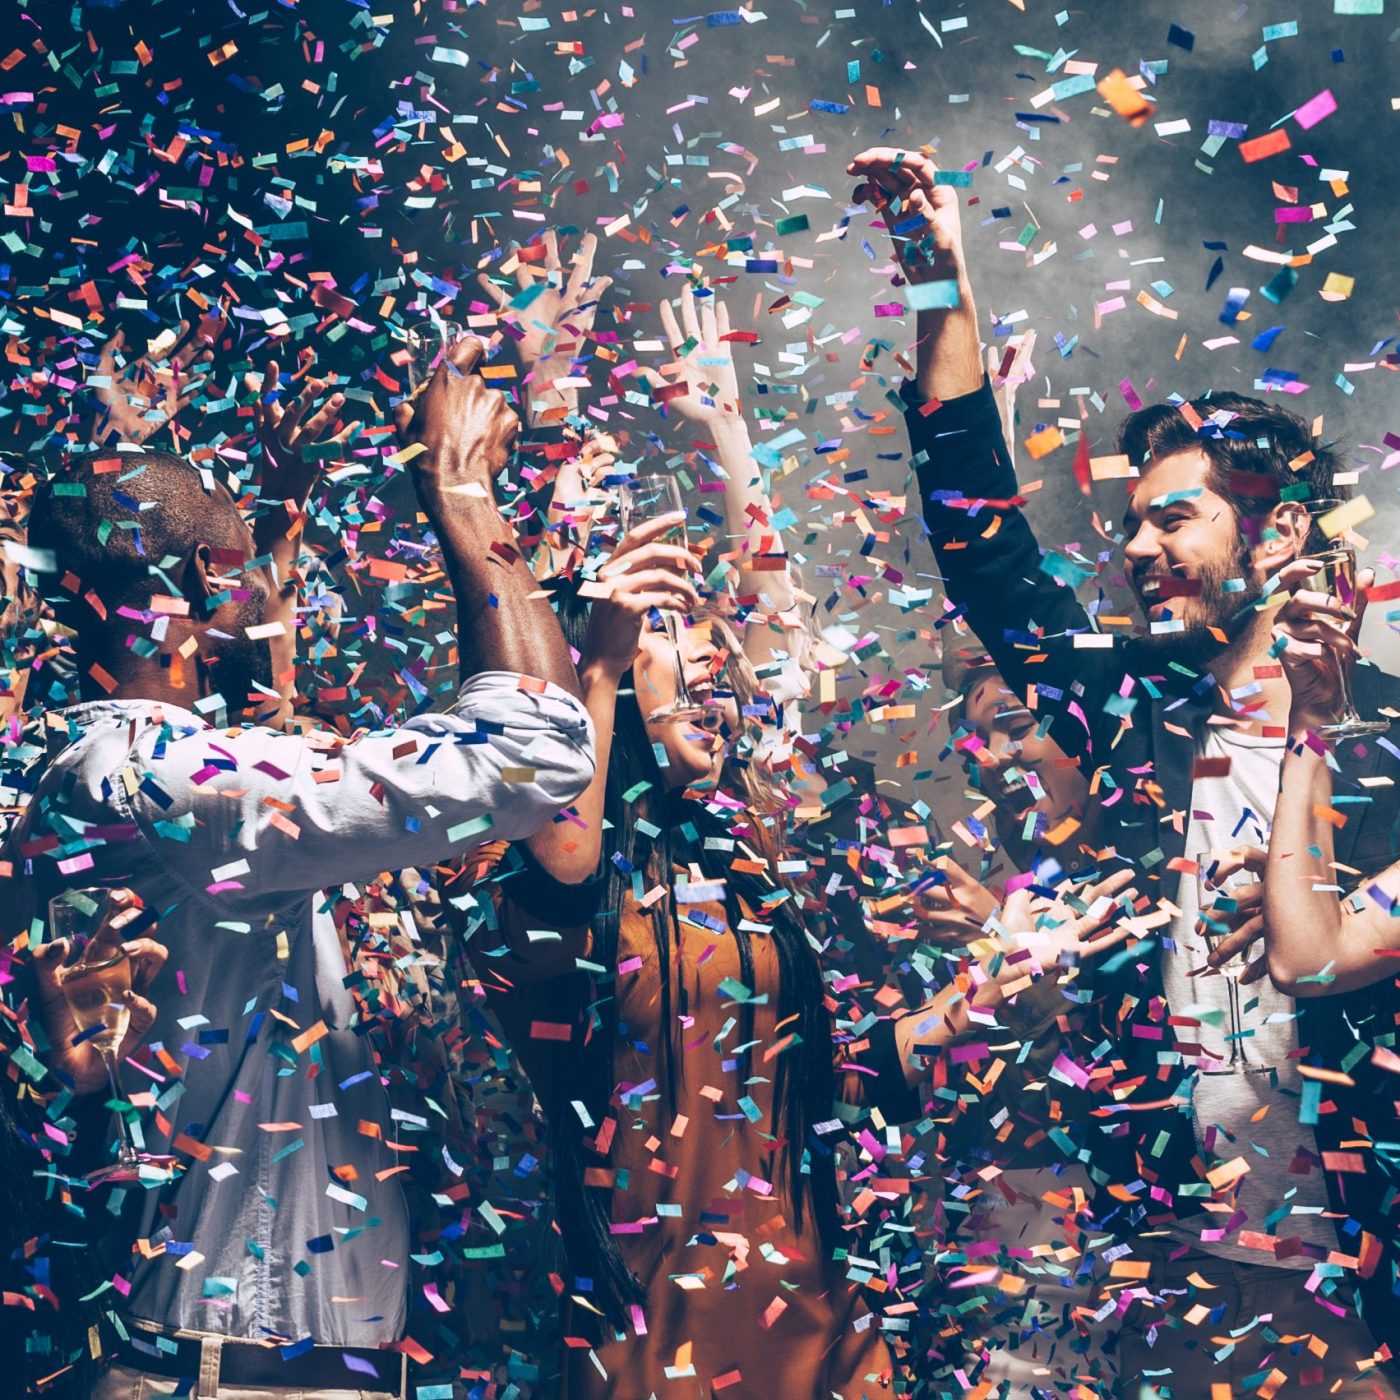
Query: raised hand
{"points": [[140, 396], [83, 1062], [925, 225], [902, 184], [287, 435], [700, 342], [577, 500], [552, 328], [1316, 636], [467, 428]]}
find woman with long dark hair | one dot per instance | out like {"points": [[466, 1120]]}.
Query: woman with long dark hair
{"points": [[673, 1017]]}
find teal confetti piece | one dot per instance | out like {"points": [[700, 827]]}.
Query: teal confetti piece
{"points": [[939, 295], [474, 827]]}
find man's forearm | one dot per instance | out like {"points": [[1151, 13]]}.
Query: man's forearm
{"points": [[948, 358], [503, 624]]}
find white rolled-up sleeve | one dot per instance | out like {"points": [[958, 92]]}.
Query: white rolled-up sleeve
{"points": [[254, 814]]}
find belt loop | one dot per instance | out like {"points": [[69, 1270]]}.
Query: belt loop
{"points": [[211, 1349], [403, 1375]]}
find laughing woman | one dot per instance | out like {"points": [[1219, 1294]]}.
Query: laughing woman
{"points": [[673, 1018]]}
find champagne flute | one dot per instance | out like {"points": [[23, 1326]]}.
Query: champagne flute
{"points": [[428, 342], [94, 987], [1218, 920], [643, 498], [1336, 575]]}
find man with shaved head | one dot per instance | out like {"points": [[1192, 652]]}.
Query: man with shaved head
{"points": [[273, 1261]]}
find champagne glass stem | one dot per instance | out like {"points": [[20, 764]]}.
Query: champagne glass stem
{"points": [[668, 620], [127, 1155], [1349, 714]]}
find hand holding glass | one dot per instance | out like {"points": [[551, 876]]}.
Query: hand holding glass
{"points": [[1336, 575], [643, 498], [95, 988], [428, 342]]}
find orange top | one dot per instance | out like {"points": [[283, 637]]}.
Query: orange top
{"points": [[738, 1303]]}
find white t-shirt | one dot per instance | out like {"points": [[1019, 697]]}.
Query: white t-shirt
{"points": [[1249, 1087]]}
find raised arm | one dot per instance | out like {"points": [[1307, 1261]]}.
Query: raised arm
{"points": [[549, 313], [711, 401], [987, 552], [296, 440], [465, 431]]}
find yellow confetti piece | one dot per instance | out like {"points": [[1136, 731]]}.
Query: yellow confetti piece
{"points": [[1337, 287], [1347, 515], [1118, 91], [1111, 468]]}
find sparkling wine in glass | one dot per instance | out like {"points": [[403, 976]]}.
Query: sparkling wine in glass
{"points": [[94, 987], [1219, 918], [428, 342], [643, 498], [1336, 575]]}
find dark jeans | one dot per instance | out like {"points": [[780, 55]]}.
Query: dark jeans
{"points": [[1245, 1329]]}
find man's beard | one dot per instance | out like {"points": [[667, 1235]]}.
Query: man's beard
{"points": [[1232, 614]]}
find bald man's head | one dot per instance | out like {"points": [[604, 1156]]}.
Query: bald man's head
{"points": [[124, 528]]}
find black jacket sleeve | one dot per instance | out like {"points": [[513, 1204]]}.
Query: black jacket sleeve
{"points": [[989, 558]]}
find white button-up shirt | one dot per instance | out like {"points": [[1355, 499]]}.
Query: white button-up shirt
{"points": [[288, 1218]]}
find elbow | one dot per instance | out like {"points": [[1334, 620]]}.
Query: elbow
{"points": [[1294, 977], [542, 801], [562, 776], [1295, 944], [1286, 977]]}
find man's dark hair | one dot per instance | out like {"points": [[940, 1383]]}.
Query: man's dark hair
{"points": [[110, 528], [1260, 450]]}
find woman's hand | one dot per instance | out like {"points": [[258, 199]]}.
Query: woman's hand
{"points": [[700, 342], [551, 329], [83, 1062], [286, 434], [1317, 637], [1046, 935], [578, 499], [642, 573], [950, 906]]}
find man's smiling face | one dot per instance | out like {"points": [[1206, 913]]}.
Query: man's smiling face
{"points": [[1187, 563]]}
